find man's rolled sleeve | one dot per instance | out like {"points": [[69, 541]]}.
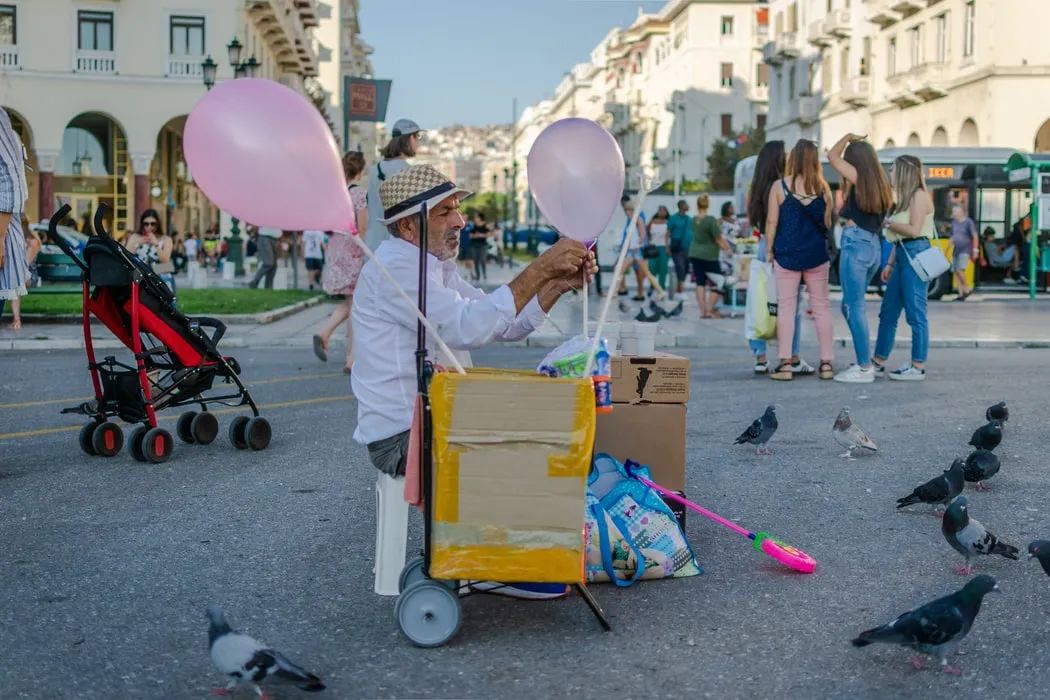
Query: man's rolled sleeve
{"points": [[531, 317]]}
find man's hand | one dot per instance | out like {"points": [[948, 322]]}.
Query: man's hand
{"points": [[564, 258], [553, 290]]}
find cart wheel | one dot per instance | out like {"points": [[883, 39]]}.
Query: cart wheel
{"points": [[107, 439], [204, 427], [157, 445], [85, 438], [184, 427], [135, 442], [413, 572], [428, 613], [237, 433], [257, 433]]}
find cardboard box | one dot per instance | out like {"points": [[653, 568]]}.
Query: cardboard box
{"points": [[651, 434], [660, 378], [511, 455]]}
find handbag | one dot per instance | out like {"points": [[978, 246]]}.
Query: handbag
{"points": [[650, 251], [929, 264], [760, 313]]}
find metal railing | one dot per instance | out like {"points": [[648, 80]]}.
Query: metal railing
{"points": [[95, 62], [185, 67], [9, 57]]}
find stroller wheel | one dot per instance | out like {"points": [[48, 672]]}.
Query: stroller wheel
{"points": [[237, 432], [157, 445], [107, 439], [257, 432], [136, 441], [428, 613], [204, 427], [85, 438], [184, 427]]}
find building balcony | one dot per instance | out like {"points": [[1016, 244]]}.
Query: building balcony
{"points": [[9, 58], [928, 81], [788, 45], [770, 55], [817, 34], [857, 91], [838, 24], [880, 12], [185, 67], [906, 8], [95, 62], [808, 109], [899, 92], [308, 12], [758, 93], [619, 116]]}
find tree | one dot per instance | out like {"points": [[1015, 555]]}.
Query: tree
{"points": [[726, 153], [492, 204]]}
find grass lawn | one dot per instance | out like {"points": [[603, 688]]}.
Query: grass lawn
{"points": [[191, 301]]}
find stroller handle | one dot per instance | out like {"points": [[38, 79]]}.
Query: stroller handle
{"points": [[100, 230], [52, 233]]}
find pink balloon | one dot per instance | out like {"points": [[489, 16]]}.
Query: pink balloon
{"points": [[264, 154], [576, 174]]}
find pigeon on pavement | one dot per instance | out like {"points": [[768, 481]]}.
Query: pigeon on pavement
{"points": [[641, 317], [968, 537], [246, 660], [759, 432], [661, 312], [851, 436], [935, 628], [998, 412], [981, 465], [940, 490], [1040, 549], [988, 436]]}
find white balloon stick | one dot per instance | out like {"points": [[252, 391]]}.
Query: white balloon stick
{"points": [[585, 290]]}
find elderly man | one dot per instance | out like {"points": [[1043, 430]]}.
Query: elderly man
{"points": [[465, 317]]}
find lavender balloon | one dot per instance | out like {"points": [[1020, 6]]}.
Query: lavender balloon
{"points": [[263, 153], [576, 175]]}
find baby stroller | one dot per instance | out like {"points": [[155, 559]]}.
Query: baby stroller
{"points": [[176, 361]]}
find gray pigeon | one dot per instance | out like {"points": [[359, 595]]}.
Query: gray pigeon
{"points": [[998, 412], [851, 436], [981, 465], [940, 490], [988, 436], [248, 661], [967, 536], [1040, 549], [759, 432], [935, 628]]}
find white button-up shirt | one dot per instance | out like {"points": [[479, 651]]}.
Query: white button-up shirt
{"points": [[384, 376]]}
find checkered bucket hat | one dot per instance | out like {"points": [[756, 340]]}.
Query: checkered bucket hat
{"points": [[404, 193]]}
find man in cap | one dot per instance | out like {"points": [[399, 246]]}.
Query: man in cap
{"points": [[384, 325], [403, 144]]}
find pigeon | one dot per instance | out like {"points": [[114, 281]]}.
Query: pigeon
{"points": [[968, 537], [1040, 549], [937, 627], [641, 317], [981, 465], [939, 490], [759, 432], [988, 436], [663, 313], [998, 412], [246, 660], [851, 436]]}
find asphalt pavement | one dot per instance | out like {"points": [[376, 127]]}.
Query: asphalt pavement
{"points": [[107, 565]]}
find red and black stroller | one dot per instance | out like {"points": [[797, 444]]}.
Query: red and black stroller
{"points": [[176, 361]]}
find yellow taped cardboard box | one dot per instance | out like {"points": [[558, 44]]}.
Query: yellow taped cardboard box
{"points": [[660, 378]]}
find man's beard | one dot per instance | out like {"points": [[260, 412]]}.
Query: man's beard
{"points": [[450, 249]]}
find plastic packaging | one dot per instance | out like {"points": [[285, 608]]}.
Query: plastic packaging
{"points": [[570, 360]]}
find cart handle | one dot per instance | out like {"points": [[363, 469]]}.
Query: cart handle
{"points": [[52, 234], [100, 230]]}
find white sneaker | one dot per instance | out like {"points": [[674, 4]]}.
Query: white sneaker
{"points": [[761, 367], [856, 374], [802, 368], [909, 373]]}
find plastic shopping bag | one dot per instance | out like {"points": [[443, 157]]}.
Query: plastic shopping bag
{"points": [[760, 320]]}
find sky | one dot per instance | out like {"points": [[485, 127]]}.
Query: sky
{"points": [[464, 61]]}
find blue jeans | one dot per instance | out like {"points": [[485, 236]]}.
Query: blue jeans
{"points": [[758, 347], [904, 291], [858, 263]]}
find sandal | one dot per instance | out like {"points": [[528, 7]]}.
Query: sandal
{"points": [[783, 372], [826, 371], [319, 348]]}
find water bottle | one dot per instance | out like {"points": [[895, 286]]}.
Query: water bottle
{"points": [[601, 377]]}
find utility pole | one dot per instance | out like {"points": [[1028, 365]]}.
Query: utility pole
{"points": [[514, 168]]}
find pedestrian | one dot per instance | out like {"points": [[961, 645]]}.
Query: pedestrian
{"points": [[155, 248], [769, 168], [345, 261], [1019, 241], [32, 250], [867, 198], [251, 248], [384, 376], [191, 248], [658, 238], [178, 255], [964, 249], [14, 268], [313, 256], [704, 251], [479, 246], [635, 258], [680, 236], [797, 225], [403, 144], [267, 243], [909, 229]]}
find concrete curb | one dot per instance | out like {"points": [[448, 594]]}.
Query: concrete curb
{"points": [[260, 318]]}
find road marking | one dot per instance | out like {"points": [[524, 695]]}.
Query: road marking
{"points": [[218, 412], [81, 399]]}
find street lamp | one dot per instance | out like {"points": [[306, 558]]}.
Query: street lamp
{"points": [[208, 68], [251, 66], [233, 52]]}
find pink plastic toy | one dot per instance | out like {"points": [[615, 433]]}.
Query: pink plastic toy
{"points": [[787, 555]]}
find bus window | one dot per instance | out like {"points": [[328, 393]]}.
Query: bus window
{"points": [[1020, 203], [991, 211]]}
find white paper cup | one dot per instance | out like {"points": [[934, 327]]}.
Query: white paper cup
{"points": [[611, 333]]}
